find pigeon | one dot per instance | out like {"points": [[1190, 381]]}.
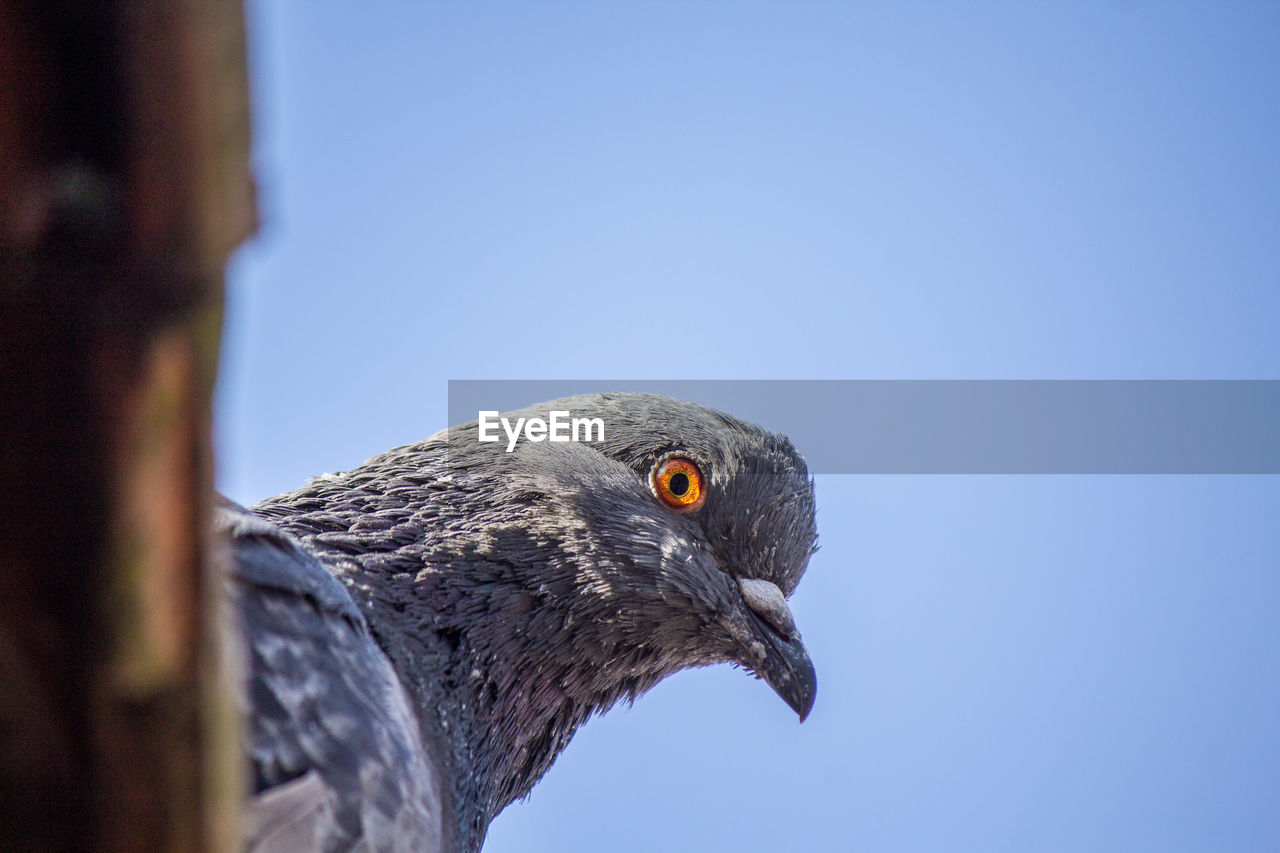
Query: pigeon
{"points": [[424, 633]]}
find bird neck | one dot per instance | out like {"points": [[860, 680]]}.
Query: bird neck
{"points": [[501, 670], [497, 680], [501, 701]]}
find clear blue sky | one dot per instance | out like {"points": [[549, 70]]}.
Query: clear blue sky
{"points": [[821, 190]]}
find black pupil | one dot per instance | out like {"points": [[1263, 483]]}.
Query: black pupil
{"points": [[679, 483]]}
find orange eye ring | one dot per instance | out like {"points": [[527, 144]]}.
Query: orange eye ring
{"points": [[677, 481]]}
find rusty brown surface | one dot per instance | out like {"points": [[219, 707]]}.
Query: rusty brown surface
{"points": [[124, 185]]}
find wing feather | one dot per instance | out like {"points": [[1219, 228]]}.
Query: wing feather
{"points": [[337, 757]]}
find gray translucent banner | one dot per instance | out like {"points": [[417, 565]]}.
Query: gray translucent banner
{"points": [[970, 427]]}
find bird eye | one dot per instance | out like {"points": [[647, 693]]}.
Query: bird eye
{"points": [[678, 482]]}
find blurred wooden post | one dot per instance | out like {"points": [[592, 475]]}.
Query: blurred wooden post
{"points": [[124, 186]]}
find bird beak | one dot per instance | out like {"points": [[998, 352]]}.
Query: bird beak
{"points": [[771, 645]]}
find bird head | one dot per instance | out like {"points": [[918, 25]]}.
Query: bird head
{"points": [[680, 533]]}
